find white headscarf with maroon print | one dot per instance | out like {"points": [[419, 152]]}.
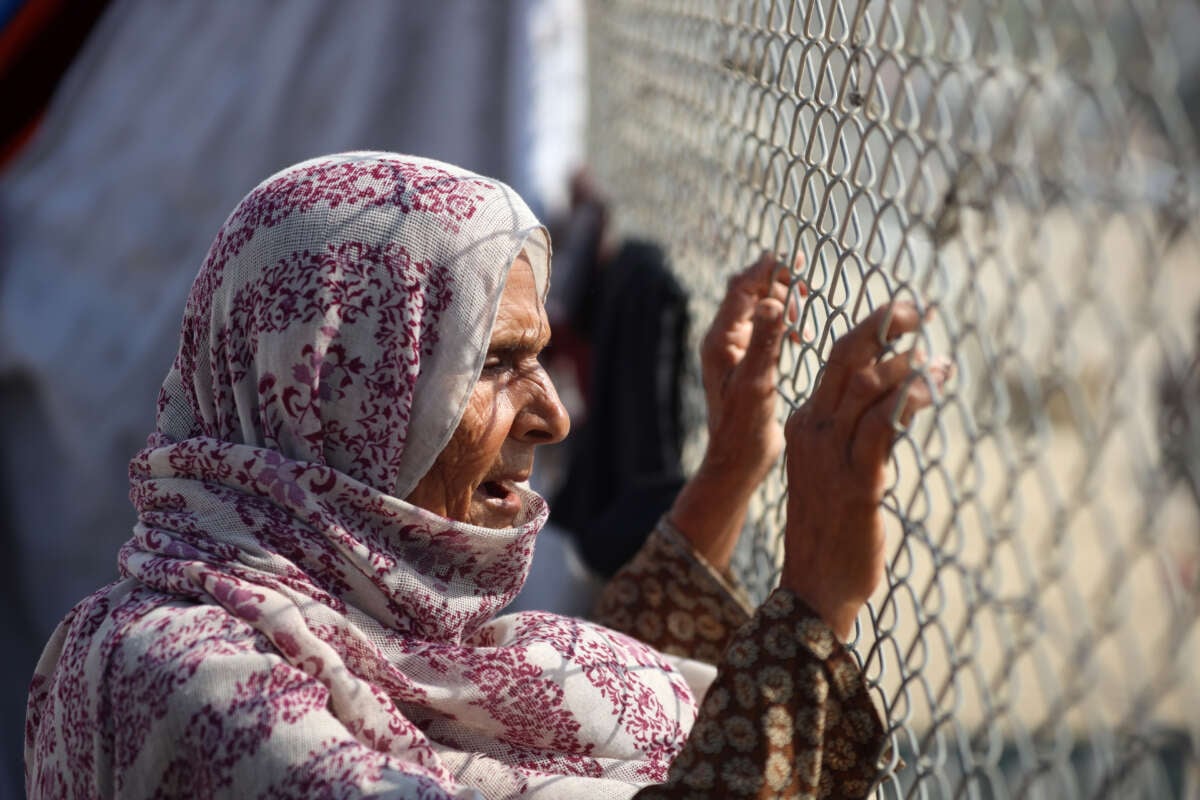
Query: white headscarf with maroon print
{"points": [[329, 345]]}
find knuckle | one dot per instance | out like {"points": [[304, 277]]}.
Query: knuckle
{"points": [[843, 348], [864, 383], [917, 398], [763, 385], [915, 393], [875, 421], [772, 305]]}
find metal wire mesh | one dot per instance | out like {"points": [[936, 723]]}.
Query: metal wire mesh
{"points": [[1030, 169]]}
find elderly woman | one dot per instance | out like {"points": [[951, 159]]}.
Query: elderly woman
{"points": [[334, 509]]}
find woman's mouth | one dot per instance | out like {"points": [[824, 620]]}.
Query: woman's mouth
{"points": [[501, 499], [495, 489]]}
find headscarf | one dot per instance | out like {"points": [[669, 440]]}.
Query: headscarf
{"points": [[329, 346]]}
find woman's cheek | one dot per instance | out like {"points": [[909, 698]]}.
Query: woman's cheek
{"points": [[485, 426]]}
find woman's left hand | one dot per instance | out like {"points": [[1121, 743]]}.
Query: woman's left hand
{"points": [[839, 446], [739, 357]]}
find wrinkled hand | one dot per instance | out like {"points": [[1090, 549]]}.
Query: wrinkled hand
{"points": [[739, 358], [838, 447]]}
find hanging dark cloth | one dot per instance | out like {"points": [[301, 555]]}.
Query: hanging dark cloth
{"points": [[624, 469], [38, 41]]}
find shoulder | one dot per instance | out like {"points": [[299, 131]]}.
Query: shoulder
{"points": [[141, 656], [159, 660], [127, 633], [136, 679], [159, 631]]}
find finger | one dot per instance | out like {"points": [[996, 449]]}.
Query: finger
{"points": [[860, 347], [745, 289], [780, 285], [941, 369], [879, 425], [729, 334], [927, 388], [793, 299], [759, 364], [875, 435], [868, 385], [807, 333]]}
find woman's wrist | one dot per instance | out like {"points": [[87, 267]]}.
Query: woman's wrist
{"points": [[838, 614], [710, 510], [736, 463]]}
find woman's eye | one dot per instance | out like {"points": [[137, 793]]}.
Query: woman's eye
{"points": [[496, 362], [515, 361]]}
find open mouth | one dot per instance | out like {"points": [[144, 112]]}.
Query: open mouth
{"points": [[501, 499], [496, 489]]}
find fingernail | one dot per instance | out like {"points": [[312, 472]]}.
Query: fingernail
{"points": [[809, 333], [943, 367], [768, 312], [918, 357]]}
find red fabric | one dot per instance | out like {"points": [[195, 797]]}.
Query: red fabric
{"points": [[37, 47]]}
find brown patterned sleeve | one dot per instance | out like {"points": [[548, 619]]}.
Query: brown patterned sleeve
{"points": [[669, 597], [789, 715]]}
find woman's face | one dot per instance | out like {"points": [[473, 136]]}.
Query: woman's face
{"points": [[512, 409]]}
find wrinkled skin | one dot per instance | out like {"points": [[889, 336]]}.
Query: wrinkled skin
{"points": [[738, 357], [837, 444], [512, 410], [838, 447]]}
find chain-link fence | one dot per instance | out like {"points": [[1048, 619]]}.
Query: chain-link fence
{"points": [[1029, 168]]}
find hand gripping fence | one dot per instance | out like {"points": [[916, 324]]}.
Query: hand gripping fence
{"points": [[1030, 168]]}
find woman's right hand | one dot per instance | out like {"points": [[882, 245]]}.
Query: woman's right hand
{"points": [[838, 445], [739, 358]]}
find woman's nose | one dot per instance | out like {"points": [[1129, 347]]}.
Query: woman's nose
{"points": [[544, 419]]}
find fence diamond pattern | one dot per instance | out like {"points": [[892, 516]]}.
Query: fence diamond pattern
{"points": [[1029, 170]]}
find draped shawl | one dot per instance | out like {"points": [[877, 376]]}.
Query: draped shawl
{"points": [[288, 625]]}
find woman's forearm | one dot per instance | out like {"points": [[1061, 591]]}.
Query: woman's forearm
{"points": [[711, 508]]}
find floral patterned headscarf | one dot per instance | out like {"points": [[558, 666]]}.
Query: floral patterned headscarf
{"points": [[329, 346], [343, 314]]}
